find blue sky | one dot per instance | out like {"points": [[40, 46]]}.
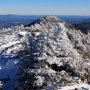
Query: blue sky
{"points": [[45, 7]]}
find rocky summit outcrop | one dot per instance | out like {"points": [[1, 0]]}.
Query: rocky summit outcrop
{"points": [[52, 53]]}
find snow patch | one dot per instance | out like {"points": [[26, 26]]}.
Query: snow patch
{"points": [[23, 33], [3, 47], [82, 85]]}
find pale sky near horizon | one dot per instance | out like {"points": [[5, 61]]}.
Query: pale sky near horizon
{"points": [[45, 7]]}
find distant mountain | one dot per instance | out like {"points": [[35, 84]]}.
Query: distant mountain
{"points": [[75, 19], [9, 20], [6, 21], [84, 27], [87, 20]]}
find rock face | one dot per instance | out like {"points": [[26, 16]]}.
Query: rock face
{"points": [[52, 53]]}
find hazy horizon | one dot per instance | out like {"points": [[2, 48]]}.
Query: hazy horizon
{"points": [[45, 15]]}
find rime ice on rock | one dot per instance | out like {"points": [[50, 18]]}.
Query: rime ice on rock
{"points": [[50, 52]]}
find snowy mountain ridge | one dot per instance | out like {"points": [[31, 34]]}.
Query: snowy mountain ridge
{"points": [[51, 51]]}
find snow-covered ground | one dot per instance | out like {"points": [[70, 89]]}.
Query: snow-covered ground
{"points": [[9, 44], [79, 86], [55, 46]]}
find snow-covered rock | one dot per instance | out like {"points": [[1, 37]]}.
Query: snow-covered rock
{"points": [[50, 52]]}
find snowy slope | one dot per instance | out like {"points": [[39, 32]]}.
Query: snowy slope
{"points": [[50, 51]]}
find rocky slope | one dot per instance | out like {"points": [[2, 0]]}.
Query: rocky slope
{"points": [[52, 54]]}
